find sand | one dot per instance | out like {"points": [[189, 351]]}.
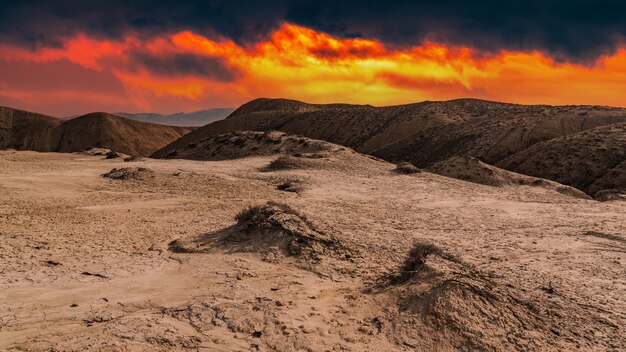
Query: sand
{"points": [[86, 261]]}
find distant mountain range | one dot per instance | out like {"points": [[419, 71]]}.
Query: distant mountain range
{"points": [[189, 119], [182, 119]]}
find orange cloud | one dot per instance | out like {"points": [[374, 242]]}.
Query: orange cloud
{"points": [[300, 63]]}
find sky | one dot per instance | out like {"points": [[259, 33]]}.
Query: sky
{"points": [[72, 57]]}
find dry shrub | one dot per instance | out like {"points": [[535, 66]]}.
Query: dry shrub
{"points": [[609, 195], [407, 168], [280, 224], [286, 162], [132, 159], [290, 186], [129, 173], [113, 155], [415, 262]]}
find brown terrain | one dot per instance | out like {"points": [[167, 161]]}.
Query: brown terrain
{"points": [[431, 132], [471, 169], [24, 130], [239, 144], [592, 160], [244, 236], [308, 246]]}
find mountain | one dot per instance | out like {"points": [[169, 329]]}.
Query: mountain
{"points": [[423, 133], [191, 119], [24, 130]]}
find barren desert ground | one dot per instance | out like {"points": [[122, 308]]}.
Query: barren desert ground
{"points": [[156, 258]]}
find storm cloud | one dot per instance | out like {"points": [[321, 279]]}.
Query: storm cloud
{"points": [[572, 30], [184, 64]]}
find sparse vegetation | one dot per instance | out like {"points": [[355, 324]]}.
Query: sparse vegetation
{"points": [[290, 186], [129, 173], [285, 227], [415, 261], [407, 168]]}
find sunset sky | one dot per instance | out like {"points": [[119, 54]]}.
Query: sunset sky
{"points": [[72, 57]]}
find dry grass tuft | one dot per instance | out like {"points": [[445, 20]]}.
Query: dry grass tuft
{"points": [[129, 173], [407, 168]]}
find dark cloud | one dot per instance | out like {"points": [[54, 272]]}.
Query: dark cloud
{"points": [[575, 29], [184, 64]]}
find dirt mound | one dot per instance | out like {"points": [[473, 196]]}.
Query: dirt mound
{"points": [[241, 144], [444, 302], [295, 186], [106, 152], [336, 160], [95, 151], [24, 130], [129, 173], [470, 169], [415, 262], [275, 230], [131, 159], [290, 162], [407, 168]]}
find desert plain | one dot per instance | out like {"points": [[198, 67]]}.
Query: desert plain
{"points": [[326, 251]]}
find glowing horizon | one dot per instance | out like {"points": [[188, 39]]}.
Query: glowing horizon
{"points": [[186, 71]]}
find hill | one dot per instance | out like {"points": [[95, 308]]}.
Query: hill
{"points": [[361, 127], [495, 138], [24, 130], [592, 160], [191, 119], [484, 129], [422, 133], [117, 133]]}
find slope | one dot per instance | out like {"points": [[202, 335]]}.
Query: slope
{"points": [[117, 133], [592, 160], [361, 127], [492, 139], [25, 130], [422, 133]]}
